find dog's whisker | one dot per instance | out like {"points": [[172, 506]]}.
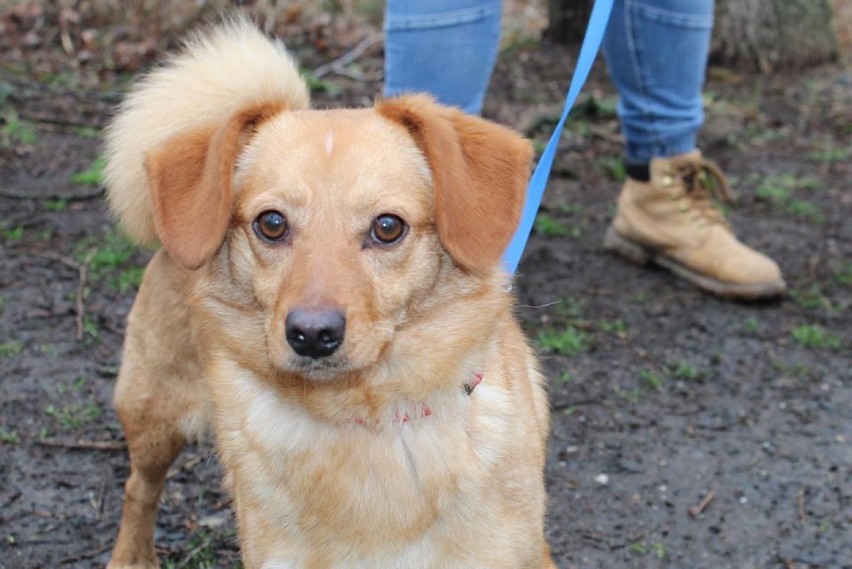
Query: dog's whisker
{"points": [[538, 306]]}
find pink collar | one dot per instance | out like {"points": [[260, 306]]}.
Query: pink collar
{"points": [[426, 410]]}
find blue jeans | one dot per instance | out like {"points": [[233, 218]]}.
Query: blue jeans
{"points": [[656, 51], [444, 47]]}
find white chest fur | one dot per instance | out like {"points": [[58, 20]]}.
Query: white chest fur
{"points": [[397, 494]]}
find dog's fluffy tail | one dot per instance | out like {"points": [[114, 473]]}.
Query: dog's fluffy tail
{"points": [[218, 72]]}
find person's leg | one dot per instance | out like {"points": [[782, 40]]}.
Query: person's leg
{"points": [[657, 52], [444, 47]]}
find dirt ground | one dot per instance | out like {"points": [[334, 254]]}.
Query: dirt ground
{"points": [[688, 431]]}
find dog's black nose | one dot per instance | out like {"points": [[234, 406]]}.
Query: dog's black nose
{"points": [[315, 333]]}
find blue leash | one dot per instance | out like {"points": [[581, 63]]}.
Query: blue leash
{"points": [[535, 190]]}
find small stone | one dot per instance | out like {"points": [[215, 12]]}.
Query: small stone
{"points": [[212, 521]]}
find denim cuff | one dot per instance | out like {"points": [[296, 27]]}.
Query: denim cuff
{"points": [[644, 153]]}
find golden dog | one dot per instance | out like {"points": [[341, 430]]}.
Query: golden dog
{"points": [[329, 297]]}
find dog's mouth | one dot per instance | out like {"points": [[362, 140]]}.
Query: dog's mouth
{"points": [[323, 370]]}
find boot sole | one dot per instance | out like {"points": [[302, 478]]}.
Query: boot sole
{"points": [[641, 255]]}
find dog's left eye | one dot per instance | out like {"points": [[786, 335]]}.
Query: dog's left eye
{"points": [[388, 229], [271, 226]]}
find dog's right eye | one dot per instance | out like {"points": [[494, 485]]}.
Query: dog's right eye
{"points": [[388, 229], [271, 226]]}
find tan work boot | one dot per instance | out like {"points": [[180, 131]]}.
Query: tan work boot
{"points": [[672, 221]]}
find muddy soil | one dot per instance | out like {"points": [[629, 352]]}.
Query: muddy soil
{"points": [[688, 431]]}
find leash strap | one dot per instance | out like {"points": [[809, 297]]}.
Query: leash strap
{"points": [[535, 191]]}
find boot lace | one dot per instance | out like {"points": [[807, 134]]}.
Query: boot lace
{"points": [[705, 186]]}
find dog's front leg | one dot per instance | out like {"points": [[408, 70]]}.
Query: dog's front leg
{"points": [[151, 454], [160, 400]]}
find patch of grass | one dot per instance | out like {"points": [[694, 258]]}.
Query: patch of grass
{"points": [[778, 190], [631, 396], [797, 370], [781, 185], [566, 377], [639, 297], [87, 131], [807, 210], [685, 370], [16, 130], [315, 84], [74, 417], [639, 548], [76, 385], [44, 234], [91, 176], [202, 554], [49, 350], [842, 273], [815, 336], [751, 325], [114, 251], [108, 260], [547, 226], [657, 549], [809, 183], [11, 348], [6, 90], [652, 379], [811, 298], [90, 328], [767, 134], [570, 308], [590, 106], [615, 327], [772, 193], [576, 231], [831, 153], [130, 278], [612, 167], [13, 234], [568, 342], [9, 437], [576, 126], [56, 205], [568, 209]]}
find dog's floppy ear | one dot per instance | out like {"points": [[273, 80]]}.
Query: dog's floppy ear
{"points": [[479, 171], [190, 177]]}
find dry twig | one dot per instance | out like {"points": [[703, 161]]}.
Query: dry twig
{"points": [[82, 271], [84, 556], [83, 444], [699, 508], [338, 64]]}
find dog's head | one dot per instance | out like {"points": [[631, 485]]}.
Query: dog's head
{"points": [[329, 233]]}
